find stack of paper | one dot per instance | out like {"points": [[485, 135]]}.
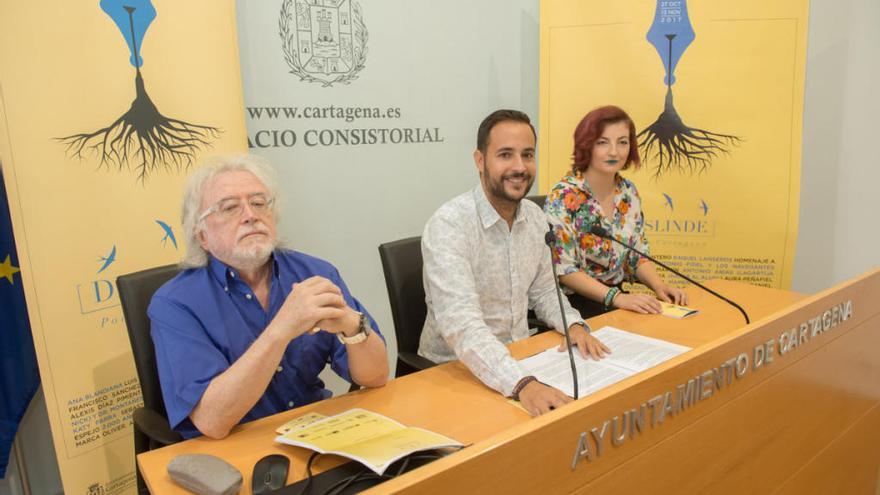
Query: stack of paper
{"points": [[630, 354]]}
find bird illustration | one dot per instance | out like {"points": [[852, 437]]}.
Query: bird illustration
{"points": [[704, 206], [169, 233], [108, 260], [668, 202]]}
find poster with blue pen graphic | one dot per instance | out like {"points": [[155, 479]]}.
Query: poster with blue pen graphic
{"points": [[142, 139], [716, 93], [102, 117]]}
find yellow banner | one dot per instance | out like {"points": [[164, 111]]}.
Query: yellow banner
{"points": [[106, 107], [720, 139]]}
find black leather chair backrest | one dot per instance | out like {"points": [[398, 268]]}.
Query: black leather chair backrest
{"points": [[538, 200], [402, 264], [135, 291], [534, 322]]}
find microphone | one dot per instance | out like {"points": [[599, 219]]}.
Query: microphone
{"points": [[550, 240], [597, 230]]}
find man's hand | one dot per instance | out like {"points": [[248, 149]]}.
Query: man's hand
{"points": [[538, 398], [672, 295], [311, 301], [588, 345], [639, 303], [348, 324]]}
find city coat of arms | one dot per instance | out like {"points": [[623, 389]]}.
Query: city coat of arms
{"points": [[323, 41]]}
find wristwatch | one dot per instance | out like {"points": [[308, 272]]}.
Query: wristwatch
{"points": [[362, 334]]}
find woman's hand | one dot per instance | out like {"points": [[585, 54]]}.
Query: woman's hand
{"points": [[639, 303], [672, 295]]}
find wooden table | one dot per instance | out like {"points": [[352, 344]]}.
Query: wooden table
{"points": [[448, 399]]}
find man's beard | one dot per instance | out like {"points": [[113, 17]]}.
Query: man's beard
{"points": [[497, 190], [254, 254]]}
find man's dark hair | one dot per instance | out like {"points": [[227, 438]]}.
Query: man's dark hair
{"points": [[496, 118]]}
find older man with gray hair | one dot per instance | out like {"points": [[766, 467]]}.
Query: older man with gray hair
{"points": [[235, 330]]}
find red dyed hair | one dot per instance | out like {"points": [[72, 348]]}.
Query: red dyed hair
{"points": [[590, 129]]}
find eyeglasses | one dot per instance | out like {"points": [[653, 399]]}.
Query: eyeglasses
{"points": [[233, 207]]}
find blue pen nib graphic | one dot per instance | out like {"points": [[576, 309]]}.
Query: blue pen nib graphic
{"points": [[704, 207], [142, 135], [671, 34], [132, 17], [669, 141], [107, 260], [169, 233]]}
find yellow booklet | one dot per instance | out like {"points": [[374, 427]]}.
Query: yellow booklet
{"points": [[675, 311], [299, 422], [366, 437]]}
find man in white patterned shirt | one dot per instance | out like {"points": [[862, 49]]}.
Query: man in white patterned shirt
{"points": [[485, 264]]}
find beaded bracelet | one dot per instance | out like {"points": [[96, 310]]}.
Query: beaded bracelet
{"points": [[520, 385], [610, 295]]}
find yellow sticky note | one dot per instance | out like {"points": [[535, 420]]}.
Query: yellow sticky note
{"points": [[675, 311]]}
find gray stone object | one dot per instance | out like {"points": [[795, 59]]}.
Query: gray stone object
{"points": [[205, 474]]}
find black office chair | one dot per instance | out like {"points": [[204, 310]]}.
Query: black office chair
{"points": [[151, 428], [538, 200], [402, 264], [534, 321]]}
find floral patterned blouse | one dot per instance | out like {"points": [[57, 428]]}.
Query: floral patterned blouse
{"points": [[572, 210]]}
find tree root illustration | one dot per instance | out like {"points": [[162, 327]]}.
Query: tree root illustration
{"points": [[145, 136], [676, 146]]}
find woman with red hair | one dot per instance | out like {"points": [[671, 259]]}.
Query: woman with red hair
{"points": [[594, 193]]}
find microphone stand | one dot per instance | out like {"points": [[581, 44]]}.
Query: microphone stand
{"points": [[550, 240], [600, 232]]}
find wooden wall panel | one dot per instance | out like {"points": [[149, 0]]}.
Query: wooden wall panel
{"points": [[750, 437], [755, 442], [808, 421], [850, 465]]}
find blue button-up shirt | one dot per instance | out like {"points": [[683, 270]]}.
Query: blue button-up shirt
{"points": [[204, 319]]}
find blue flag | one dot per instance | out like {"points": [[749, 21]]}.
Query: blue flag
{"points": [[19, 376]]}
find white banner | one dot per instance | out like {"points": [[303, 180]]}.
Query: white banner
{"points": [[369, 110]]}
